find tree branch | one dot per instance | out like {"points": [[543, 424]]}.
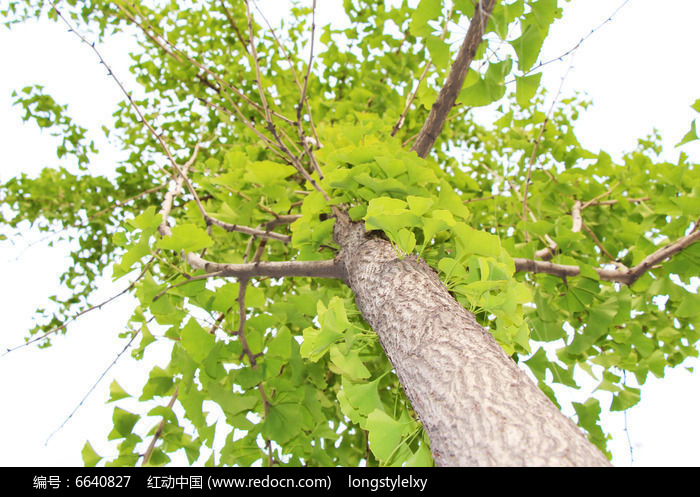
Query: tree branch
{"points": [[448, 95], [248, 231], [627, 277], [278, 269], [576, 217], [232, 21], [159, 430]]}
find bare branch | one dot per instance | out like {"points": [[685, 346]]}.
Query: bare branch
{"points": [[249, 231], [448, 95], [308, 150], [529, 172], [167, 204], [564, 271], [278, 269], [576, 217], [628, 277], [232, 21], [163, 43], [258, 76], [615, 201], [182, 175]]}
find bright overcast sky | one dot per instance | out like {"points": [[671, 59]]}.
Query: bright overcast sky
{"points": [[640, 70]]}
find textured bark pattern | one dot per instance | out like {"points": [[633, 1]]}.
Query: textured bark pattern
{"points": [[477, 407]]}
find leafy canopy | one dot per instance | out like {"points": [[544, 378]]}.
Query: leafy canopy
{"points": [[272, 143]]}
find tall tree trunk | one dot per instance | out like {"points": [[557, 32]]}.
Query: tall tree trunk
{"points": [[477, 406]]}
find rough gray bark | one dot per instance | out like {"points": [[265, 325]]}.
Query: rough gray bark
{"points": [[477, 407]]}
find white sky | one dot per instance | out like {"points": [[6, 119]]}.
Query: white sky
{"points": [[640, 70]]}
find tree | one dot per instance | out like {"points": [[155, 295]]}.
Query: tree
{"points": [[298, 177]]}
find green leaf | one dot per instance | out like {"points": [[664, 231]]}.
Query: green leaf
{"points": [[160, 382], [406, 240], [689, 136], [148, 221], [231, 403], [363, 396], [419, 205], [562, 375], [124, 422], [588, 415], [267, 172], [333, 322], [528, 46], [545, 11], [389, 215], [503, 14], [450, 201], [196, 341], [696, 105], [187, 237], [90, 457], [427, 10], [538, 364], [422, 458], [348, 363], [116, 392], [439, 51], [464, 7], [471, 241], [526, 87], [385, 434], [281, 344], [391, 166], [690, 306], [283, 422], [625, 399], [482, 92]]}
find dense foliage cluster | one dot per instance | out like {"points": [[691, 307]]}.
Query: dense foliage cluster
{"points": [[271, 138]]}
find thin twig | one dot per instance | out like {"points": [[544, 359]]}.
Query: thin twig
{"points": [[84, 311], [92, 388], [615, 201], [305, 141], [537, 143], [159, 430], [575, 47], [258, 75], [414, 92], [232, 21], [602, 195], [600, 245]]}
